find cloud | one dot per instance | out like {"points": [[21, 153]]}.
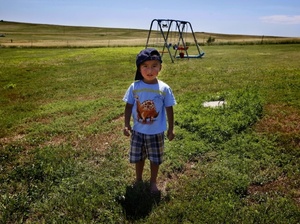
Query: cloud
{"points": [[281, 19]]}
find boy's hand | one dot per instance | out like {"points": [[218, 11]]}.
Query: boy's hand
{"points": [[170, 135], [127, 131]]}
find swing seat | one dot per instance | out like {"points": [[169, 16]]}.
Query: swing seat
{"points": [[169, 45], [181, 48]]}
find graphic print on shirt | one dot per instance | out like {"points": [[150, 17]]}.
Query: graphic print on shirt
{"points": [[146, 111]]}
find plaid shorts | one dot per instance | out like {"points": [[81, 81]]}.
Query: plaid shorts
{"points": [[146, 146]]}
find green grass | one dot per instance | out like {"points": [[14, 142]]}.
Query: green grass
{"points": [[63, 158]]}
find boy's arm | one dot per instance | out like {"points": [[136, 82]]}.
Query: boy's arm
{"points": [[170, 115], [128, 111]]}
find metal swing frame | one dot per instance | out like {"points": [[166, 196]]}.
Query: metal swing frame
{"points": [[180, 27]]}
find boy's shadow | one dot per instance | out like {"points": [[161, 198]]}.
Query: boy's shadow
{"points": [[138, 202]]}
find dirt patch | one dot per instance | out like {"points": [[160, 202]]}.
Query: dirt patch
{"points": [[282, 120], [8, 140], [101, 142], [281, 186], [190, 170]]}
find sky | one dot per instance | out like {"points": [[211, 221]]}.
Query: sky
{"points": [[249, 17]]}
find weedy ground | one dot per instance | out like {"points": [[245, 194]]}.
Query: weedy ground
{"points": [[63, 157]]}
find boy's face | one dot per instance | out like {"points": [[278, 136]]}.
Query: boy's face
{"points": [[150, 70]]}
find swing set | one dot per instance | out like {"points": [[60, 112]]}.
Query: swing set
{"points": [[176, 30]]}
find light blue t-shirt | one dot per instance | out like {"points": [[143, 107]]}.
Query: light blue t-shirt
{"points": [[149, 103]]}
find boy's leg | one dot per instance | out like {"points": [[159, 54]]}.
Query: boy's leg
{"points": [[137, 154], [155, 146], [139, 167], [154, 171]]}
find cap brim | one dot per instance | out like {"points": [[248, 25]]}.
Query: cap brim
{"points": [[138, 75]]}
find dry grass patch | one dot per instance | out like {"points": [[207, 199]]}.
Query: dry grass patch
{"points": [[281, 120], [7, 140], [282, 186]]}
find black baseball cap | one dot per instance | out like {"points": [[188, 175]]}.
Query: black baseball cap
{"points": [[145, 55]]}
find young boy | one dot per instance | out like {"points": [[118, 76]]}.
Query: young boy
{"points": [[149, 101]]}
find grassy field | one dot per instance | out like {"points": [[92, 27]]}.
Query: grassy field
{"points": [[63, 158], [43, 35]]}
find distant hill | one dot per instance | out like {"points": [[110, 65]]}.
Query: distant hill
{"points": [[45, 35]]}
